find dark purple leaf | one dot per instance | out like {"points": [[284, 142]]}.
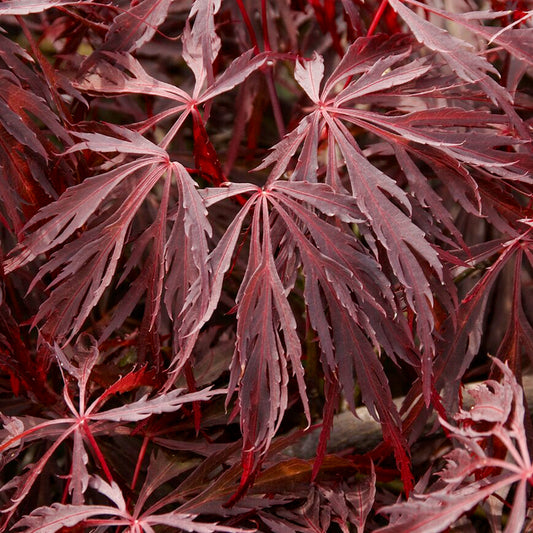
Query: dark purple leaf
{"points": [[136, 26]]}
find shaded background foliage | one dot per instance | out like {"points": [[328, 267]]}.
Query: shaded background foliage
{"points": [[223, 222]]}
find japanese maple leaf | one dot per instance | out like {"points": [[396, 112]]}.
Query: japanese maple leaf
{"points": [[514, 39], [371, 74], [384, 205], [339, 280], [86, 419], [469, 65], [201, 44], [497, 414], [457, 349], [55, 517], [136, 26], [25, 7], [87, 264], [25, 144]]}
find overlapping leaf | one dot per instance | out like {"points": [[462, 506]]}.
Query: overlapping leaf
{"points": [[462, 59], [362, 242], [387, 222], [87, 265], [25, 145], [83, 417], [497, 413], [52, 519], [132, 28], [340, 281]]}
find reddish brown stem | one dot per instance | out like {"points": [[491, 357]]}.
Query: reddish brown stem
{"points": [[140, 458], [264, 18], [377, 17], [248, 24], [97, 451]]}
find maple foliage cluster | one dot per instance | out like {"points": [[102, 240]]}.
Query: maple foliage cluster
{"points": [[225, 221]]}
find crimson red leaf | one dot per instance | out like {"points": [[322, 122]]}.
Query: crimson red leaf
{"points": [[205, 156]]}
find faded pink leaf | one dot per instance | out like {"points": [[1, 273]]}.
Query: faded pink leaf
{"points": [[457, 491], [201, 43], [309, 74], [144, 407], [25, 7]]}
